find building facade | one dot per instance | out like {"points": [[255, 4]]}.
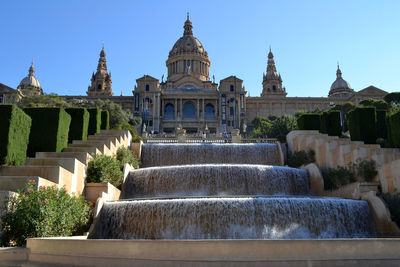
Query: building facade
{"points": [[189, 99]]}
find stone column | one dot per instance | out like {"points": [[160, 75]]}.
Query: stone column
{"points": [[215, 109], [202, 112], [181, 109], [176, 108], [198, 109], [154, 109]]}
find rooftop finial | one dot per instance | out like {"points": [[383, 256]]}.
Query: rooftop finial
{"points": [[187, 15], [338, 72], [102, 46], [188, 27], [269, 48], [31, 69]]}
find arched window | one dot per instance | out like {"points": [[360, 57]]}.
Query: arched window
{"points": [[274, 88], [99, 87], [147, 87], [169, 112], [189, 111], [209, 115], [232, 88], [269, 90]]}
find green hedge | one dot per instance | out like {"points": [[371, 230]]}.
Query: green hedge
{"points": [[394, 129], [309, 121], [105, 120], [362, 124], [15, 126], [94, 121], [323, 123], [381, 128], [49, 131], [78, 129], [334, 127]]}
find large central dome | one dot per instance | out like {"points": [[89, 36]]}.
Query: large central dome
{"points": [[187, 43], [188, 57]]}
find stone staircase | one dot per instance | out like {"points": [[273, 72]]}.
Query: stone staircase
{"points": [[62, 169], [332, 151]]}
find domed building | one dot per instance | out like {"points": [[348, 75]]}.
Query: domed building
{"points": [[188, 98], [30, 86], [340, 88]]}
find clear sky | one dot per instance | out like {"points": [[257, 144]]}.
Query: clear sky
{"points": [[308, 38]]}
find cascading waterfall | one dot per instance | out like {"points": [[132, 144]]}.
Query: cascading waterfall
{"points": [[184, 154], [235, 218], [215, 180], [233, 200]]}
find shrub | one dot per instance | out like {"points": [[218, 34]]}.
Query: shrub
{"points": [[49, 131], [94, 121], [104, 169], [14, 135], [381, 128], [362, 124], [281, 126], [105, 120], [334, 127], [127, 156], [44, 213], [335, 178], [366, 169], [301, 158], [393, 203], [309, 121], [78, 129], [393, 126]]}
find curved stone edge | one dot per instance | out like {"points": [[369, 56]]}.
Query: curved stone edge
{"points": [[96, 217], [380, 214], [315, 178], [280, 154], [137, 148]]}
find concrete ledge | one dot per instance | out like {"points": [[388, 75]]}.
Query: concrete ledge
{"points": [[83, 157], [91, 150], [95, 190], [13, 254], [81, 252], [15, 183]]}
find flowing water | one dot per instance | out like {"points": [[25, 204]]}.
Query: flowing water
{"points": [[230, 200], [154, 154]]}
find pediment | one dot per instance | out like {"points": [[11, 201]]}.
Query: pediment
{"points": [[188, 81], [372, 91]]}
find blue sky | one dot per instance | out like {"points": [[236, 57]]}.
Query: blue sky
{"points": [[308, 38]]}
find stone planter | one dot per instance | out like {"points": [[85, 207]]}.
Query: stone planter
{"points": [[104, 190]]}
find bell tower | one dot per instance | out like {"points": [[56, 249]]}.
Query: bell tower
{"points": [[272, 81], [101, 80]]}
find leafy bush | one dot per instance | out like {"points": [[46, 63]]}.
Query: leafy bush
{"points": [[94, 121], [104, 169], [125, 155], [14, 135], [362, 124], [334, 127], [135, 135], [366, 169], [78, 129], [44, 213], [335, 178], [49, 130], [393, 203], [377, 103], [309, 121], [301, 158], [105, 120], [278, 127]]}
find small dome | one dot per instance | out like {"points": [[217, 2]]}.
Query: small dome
{"points": [[340, 87], [30, 80]]}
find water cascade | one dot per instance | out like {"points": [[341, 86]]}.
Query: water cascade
{"points": [[229, 200]]}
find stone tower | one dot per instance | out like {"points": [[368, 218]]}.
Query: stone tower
{"points": [[101, 81], [272, 81]]}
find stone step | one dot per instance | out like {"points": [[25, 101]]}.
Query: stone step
{"points": [[15, 183], [91, 150], [55, 174], [83, 157], [105, 150], [77, 168], [115, 140]]}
